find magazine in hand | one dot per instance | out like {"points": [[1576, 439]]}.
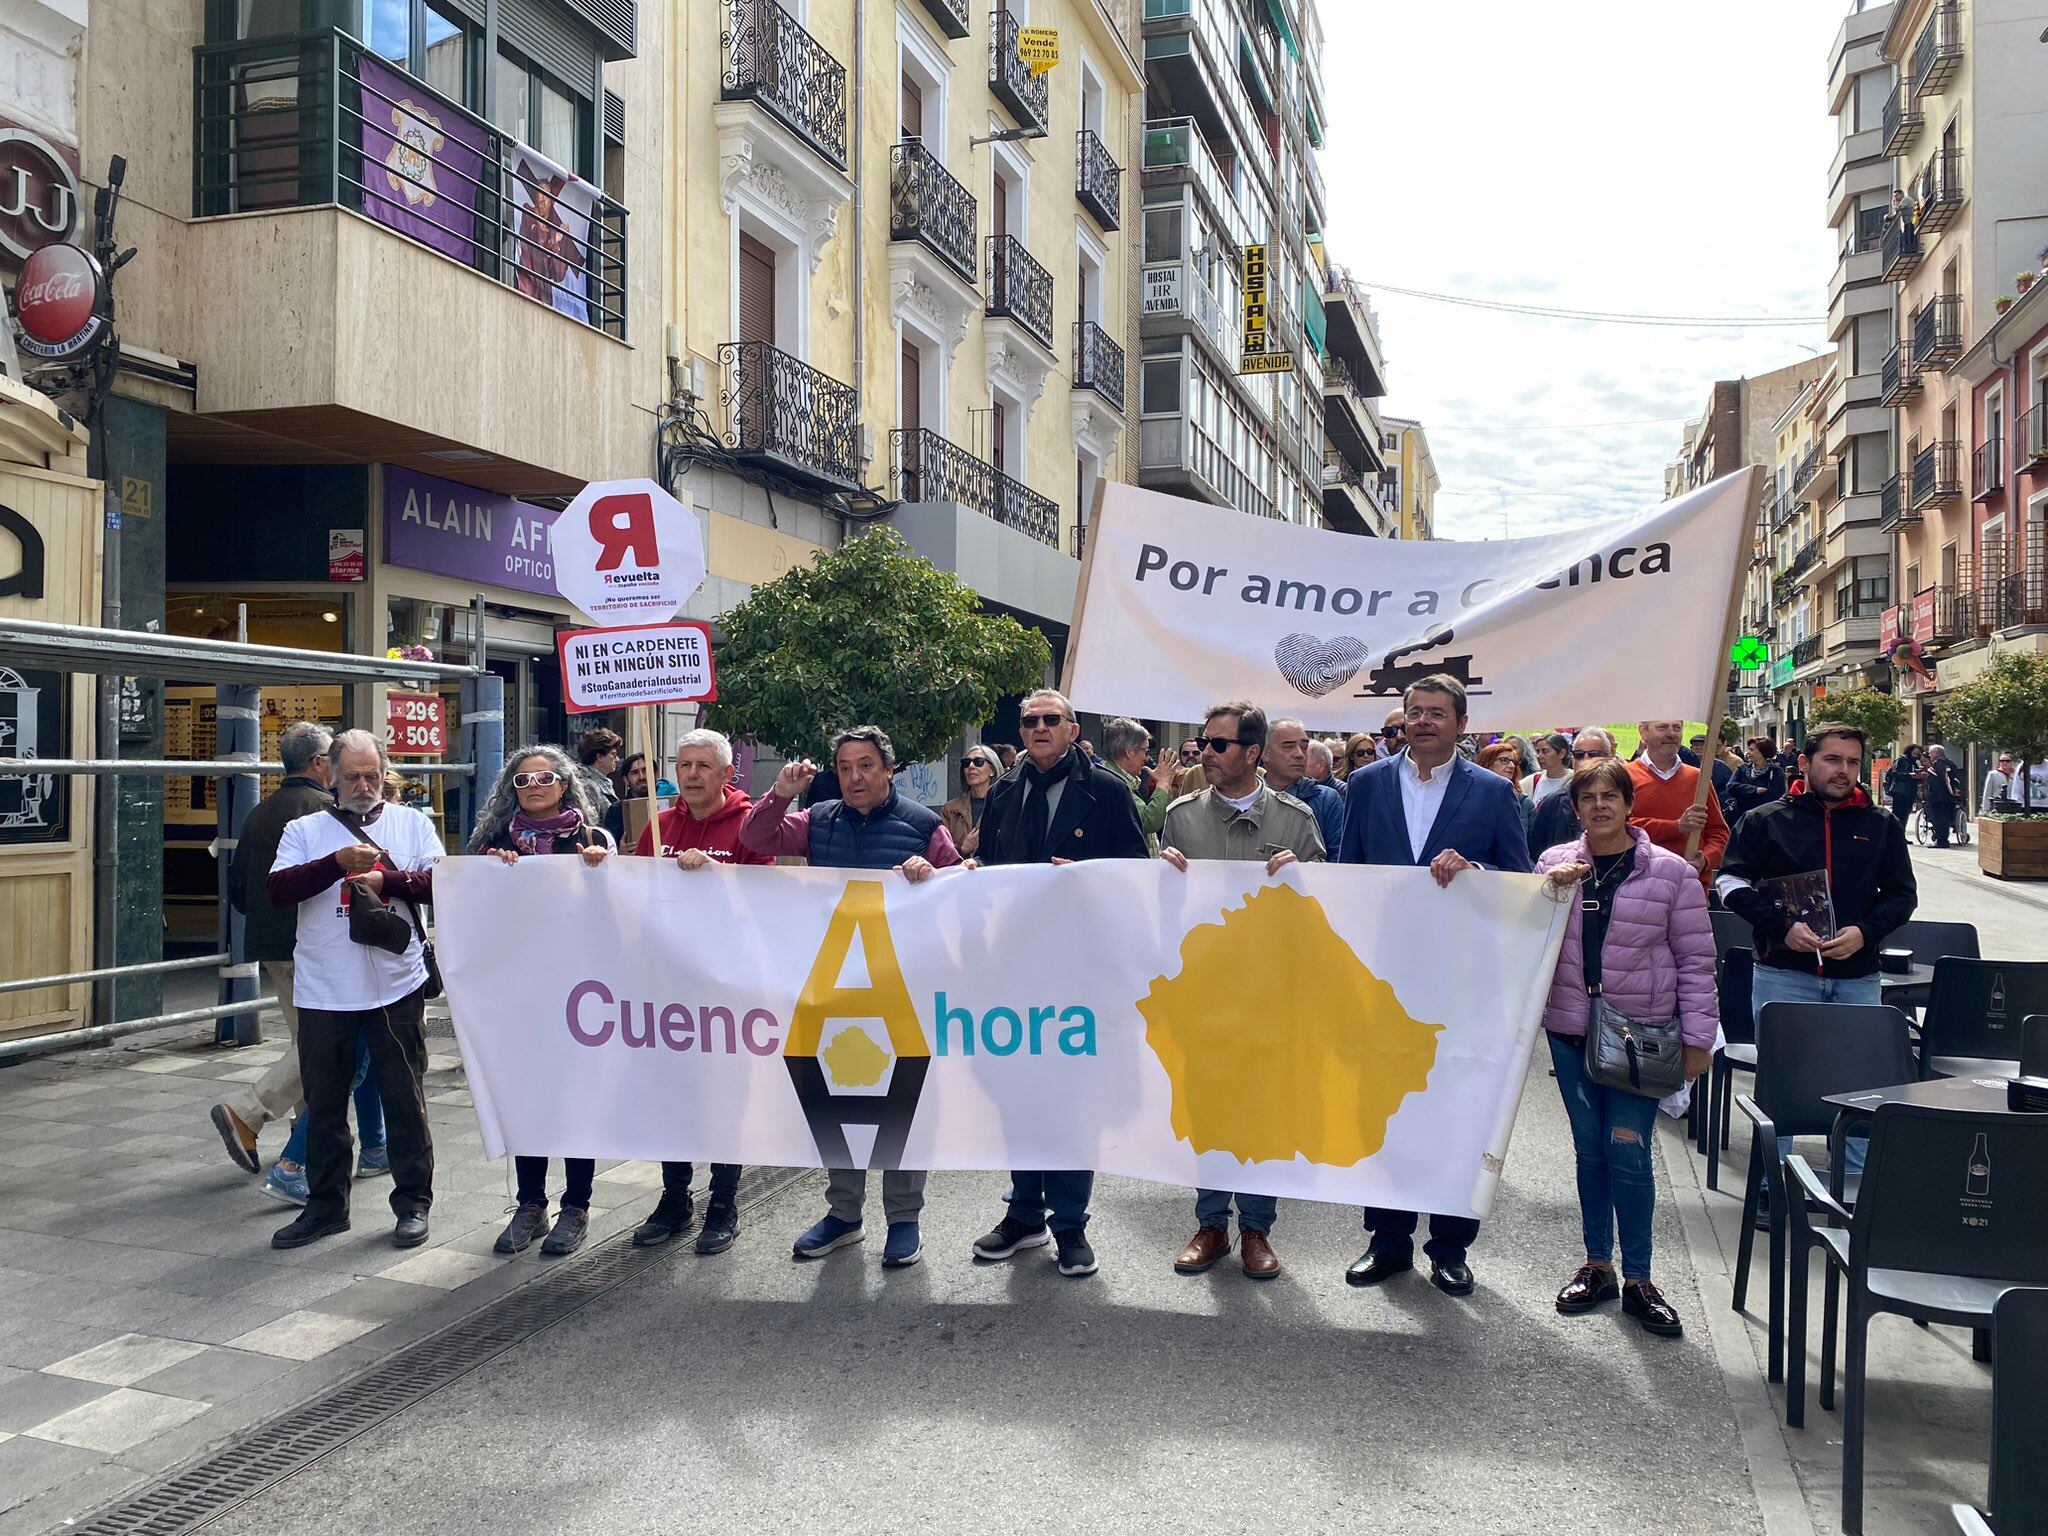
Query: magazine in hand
{"points": [[1805, 898]]}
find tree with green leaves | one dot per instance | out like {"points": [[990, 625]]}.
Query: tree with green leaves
{"points": [[2006, 709], [871, 634], [1879, 716]]}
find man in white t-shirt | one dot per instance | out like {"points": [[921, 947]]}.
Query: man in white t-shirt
{"points": [[345, 990]]}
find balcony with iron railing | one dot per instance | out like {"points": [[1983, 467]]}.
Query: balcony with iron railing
{"points": [[924, 466], [1802, 477], [2032, 437], [1937, 195], [1099, 363], [785, 412], [1987, 469], [1019, 288], [951, 16], [1937, 328], [1937, 474], [1804, 560], [1783, 510], [1898, 379], [1892, 511], [1902, 119], [1098, 180], [1938, 53], [1953, 611], [928, 206], [771, 59], [1900, 250], [2019, 600], [1806, 652], [294, 122], [1010, 79]]}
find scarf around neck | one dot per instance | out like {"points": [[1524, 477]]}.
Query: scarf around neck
{"points": [[1034, 819], [538, 834]]}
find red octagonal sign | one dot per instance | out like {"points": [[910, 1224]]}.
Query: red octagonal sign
{"points": [[59, 300]]}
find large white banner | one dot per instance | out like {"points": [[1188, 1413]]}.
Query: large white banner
{"points": [[1186, 603], [1338, 1032]]}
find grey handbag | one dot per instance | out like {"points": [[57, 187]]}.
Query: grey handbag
{"points": [[1634, 1055]]}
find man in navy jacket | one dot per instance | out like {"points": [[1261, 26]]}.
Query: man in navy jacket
{"points": [[1429, 806]]}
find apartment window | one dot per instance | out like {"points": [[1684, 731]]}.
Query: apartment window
{"points": [[1870, 462], [540, 110], [1869, 340], [1912, 578], [1159, 387], [1164, 234], [921, 68]]}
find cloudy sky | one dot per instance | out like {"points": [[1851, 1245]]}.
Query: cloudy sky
{"points": [[1597, 155]]}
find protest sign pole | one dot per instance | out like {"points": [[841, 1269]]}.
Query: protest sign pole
{"points": [[1717, 707], [647, 745], [1088, 548]]}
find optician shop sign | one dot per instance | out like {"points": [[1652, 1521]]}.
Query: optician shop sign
{"points": [[435, 525]]}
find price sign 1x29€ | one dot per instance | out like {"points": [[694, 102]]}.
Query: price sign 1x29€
{"points": [[416, 724]]}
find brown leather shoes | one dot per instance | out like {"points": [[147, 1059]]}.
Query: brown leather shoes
{"points": [[1203, 1250], [1587, 1288], [1260, 1261]]}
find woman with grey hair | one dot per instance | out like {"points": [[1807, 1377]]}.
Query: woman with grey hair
{"points": [[539, 806], [979, 770]]}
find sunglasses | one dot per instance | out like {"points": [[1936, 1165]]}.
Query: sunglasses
{"points": [[539, 780], [1219, 744], [1580, 757], [1390, 732], [1361, 754], [979, 762], [1035, 722]]}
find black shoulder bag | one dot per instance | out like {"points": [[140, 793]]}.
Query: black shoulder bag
{"points": [[372, 922]]}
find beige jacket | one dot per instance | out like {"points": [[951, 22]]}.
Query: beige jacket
{"points": [[1206, 826]]}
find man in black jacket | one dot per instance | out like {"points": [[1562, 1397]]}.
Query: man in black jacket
{"points": [[1944, 791], [1056, 805], [268, 932], [1825, 822]]}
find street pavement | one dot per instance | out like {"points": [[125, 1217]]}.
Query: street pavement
{"points": [[145, 1322]]}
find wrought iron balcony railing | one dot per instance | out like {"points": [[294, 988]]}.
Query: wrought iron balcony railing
{"points": [[1897, 380], [1809, 466], [924, 466], [1892, 511], [309, 119], [1938, 191], [1902, 119], [1010, 80], [1939, 52], [2033, 435], [1098, 180], [1783, 510], [1019, 287], [771, 59], [951, 16], [1938, 332], [783, 409], [1098, 363], [1954, 611], [2015, 600], [1899, 249], [1806, 652], [927, 205], [1802, 562], [1937, 474], [1987, 469]]}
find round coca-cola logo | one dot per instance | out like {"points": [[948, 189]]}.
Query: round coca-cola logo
{"points": [[39, 195], [59, 301]]}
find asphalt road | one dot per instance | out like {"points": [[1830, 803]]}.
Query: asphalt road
{"points": [[751, 1393]]}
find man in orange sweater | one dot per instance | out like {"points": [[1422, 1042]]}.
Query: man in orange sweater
{"points": [[1665, 791]]}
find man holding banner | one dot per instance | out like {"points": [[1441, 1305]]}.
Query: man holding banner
{"points": [[1430, 806]]}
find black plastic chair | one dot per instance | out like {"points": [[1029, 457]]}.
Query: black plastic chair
{"points": [[1737, 1054], [1928, 941], [1804, 1052], [1731, 931], [2019, 1409], [2034, 1045], [1950, 1218], [1974, 1008]]}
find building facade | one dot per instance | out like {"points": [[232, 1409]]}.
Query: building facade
{"points": [[1412, 481]]}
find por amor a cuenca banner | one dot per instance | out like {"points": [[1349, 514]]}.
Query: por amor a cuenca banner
{"points": [[1336, 1032], [1186, 603]]}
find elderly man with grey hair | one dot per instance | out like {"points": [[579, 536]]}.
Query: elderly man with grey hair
{"points": [[268, 934], [1556, 822], [349, 992], [1125, 746]]}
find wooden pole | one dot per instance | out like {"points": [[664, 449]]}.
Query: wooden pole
{"points": [[645, 712], [1088, 548], [1717, 707]]}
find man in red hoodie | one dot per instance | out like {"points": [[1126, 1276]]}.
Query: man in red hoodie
{"points": [[703, 827]]}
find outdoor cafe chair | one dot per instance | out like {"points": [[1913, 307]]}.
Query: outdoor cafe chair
{"points": [[1737, 1054], [1974, 1007], [2018, 1504], [1949, 1218], [1804, 1052], [2034, 1045]]}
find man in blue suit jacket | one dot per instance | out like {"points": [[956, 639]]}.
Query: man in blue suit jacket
{"points": [[1429, 806]]}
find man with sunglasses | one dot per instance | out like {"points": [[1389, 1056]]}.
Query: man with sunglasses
{"points": [[1055, 806], [1430, 806], [1556, 822], [1237, 817]]}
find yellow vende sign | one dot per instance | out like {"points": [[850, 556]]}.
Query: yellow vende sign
{"points": [[1039, 47]]}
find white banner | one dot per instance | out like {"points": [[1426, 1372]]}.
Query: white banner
{"points": [[635, 664], [1338, 1033], [1186, 603]]}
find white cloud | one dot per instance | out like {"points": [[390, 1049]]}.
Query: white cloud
{"points": [[1602, 155]]}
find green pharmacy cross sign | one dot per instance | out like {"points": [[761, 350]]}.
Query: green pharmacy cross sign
{"points": [[1750, 653]]}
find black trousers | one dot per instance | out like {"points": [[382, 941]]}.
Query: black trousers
{"points": [[725, 1181], [1941, 816], [577, 1174], [327, 1068], [1393, 1232]]}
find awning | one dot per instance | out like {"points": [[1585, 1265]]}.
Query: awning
{"points": [[1279, 14], [1313, 319]]}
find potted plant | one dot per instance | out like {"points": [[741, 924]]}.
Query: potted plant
{"points": [[2023, 280], [2006, 708], [2004, 303]]}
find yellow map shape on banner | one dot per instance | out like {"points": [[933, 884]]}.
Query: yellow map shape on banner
{"points": [[1279, 1042]]}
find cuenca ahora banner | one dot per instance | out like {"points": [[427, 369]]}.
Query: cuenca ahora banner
{"points": [[1336, 1032], [1183, 604]]}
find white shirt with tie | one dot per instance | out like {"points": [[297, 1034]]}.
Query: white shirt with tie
{"points": [[1421, 799]]}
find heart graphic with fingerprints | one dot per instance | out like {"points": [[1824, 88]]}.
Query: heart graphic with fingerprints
{"points": [[1315, 666]]}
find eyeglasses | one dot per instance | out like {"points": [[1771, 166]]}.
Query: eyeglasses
{"points": [[1596, 752], [539, 780], [1035, 722], [1434, 716], [1219, 744]]}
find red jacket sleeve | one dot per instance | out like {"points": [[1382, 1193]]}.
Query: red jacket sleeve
{"points": [[772, 829], [940, 852], [302, 882]]}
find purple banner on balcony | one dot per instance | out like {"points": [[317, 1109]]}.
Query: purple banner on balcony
{"points": [[423, 162], [457, 530]]}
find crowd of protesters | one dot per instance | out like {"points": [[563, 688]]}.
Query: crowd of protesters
{"points": [[333, 875]]}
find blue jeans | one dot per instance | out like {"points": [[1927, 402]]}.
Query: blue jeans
{"points": [[1255, 1213], [1775, 985], [369, 1112], [1064, 1194], [1611, 1139]]}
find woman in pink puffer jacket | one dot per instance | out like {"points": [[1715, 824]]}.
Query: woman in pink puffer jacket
{"points": [[1642, 910]]}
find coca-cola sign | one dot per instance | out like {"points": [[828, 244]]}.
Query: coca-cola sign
{"points": [[39, 195], [60, 302]]}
